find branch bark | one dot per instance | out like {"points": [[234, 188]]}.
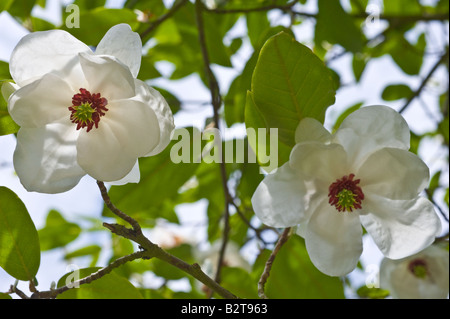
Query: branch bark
{"points": [[51, 294], [443, 59], [151, 250], [115, 210], [268, 267], [285, 7], [163, 18], [216, 101]]}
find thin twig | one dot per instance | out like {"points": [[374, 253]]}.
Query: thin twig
{"points": [[424, 82], [385, 17], [262, 281], [163, 18], [115, 210], [285, 7], [247, 222], [216, 101], [50, 294], [152, 250], [441, 211], [405, 18], [17, 291]]}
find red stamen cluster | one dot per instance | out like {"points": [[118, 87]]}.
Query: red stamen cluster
{"points": [[95, 101], [418, 267], [349, 185]]}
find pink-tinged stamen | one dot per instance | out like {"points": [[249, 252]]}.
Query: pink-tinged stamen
{"points": [[87, 109], [345, 194]]}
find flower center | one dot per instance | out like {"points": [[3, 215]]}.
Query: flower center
{"points": [[87, 109], [418, 268], [345, 194]]}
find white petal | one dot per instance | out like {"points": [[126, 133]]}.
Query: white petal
{"points": [[45, 158], [318, 161], [393, 173], [396, 276], [400, 227], [333, 240], [107, 76], [127, 131], [42, 102], [310, 129], [280, 200], [8, 88], [43, 52], [371, 128], [133, 177], [123, 44], [158, 104]]}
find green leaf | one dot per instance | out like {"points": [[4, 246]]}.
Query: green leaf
{"points": [[4, 71], [91, 250], [153, 197], [335, 26], [19, 242], [169, 272], [372, 293], [289, 83], [434, 183], [294, 276], [172, 100], [4, 296], [443, 128], [344, 114], [396, 92], [57, 231], [446, 196], [85, 5], [154, 8], [261, 144], [110, 286], [240, 282], [402, 7], [7, 124], [5, 5], [235, 99], [359, 63], [248, 4], [95, 23], [257, 24], [21, 8], [39, 24], [407, 56]]}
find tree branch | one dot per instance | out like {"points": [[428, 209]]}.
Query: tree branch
{"points": [[285, 7], [115, 210], [151, 250], [443, 59], [52, 293], [163, 18], [216, 102], [262, 281], [405, 18]]}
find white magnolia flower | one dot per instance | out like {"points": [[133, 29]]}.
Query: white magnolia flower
{"points": [[422, 276], [82, 112], [363, 174], [209, 258]]}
